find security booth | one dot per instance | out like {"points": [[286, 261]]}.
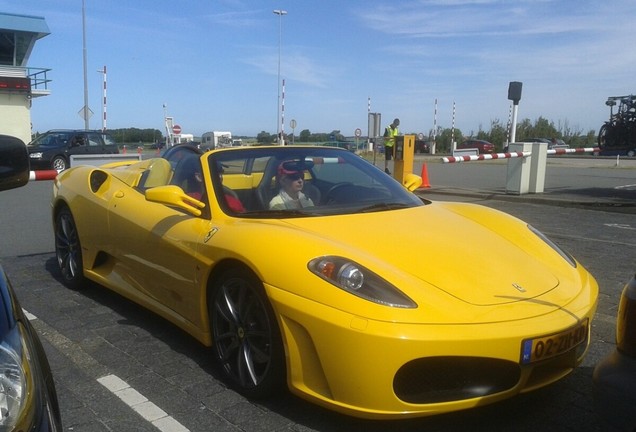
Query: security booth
{"points": [[403, 152]]}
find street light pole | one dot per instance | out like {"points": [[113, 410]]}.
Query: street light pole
{"points": [[86, 110], [280, 14]]}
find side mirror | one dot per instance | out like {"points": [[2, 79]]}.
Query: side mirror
{"points": [[174, 196], [14, 163]]}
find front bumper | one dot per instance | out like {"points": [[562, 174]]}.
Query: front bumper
{"points": [[39, 164], [375, 369]]}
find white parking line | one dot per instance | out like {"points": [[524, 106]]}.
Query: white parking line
{"points": [[29, 315], [131, 397], [138, 402]]}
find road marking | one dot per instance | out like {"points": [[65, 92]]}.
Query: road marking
{"points": [[620, 226], [131, 397], [142, 406], [29, 315], [625, 186]]}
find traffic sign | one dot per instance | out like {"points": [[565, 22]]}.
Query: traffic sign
{"points": [[358, 132], [85, 113], [176, 129]]}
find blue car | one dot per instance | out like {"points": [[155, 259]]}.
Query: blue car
{"points": [[28, 400]]}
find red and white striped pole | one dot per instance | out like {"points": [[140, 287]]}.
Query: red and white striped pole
{"points": [[469, 158], [103, 100], [453, 130], [282, 116], [573, 150], [509, 125], [369, 144], [43, 175], [433, 149]]}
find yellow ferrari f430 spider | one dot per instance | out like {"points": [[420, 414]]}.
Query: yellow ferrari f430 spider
{"points": [[308, 267]]}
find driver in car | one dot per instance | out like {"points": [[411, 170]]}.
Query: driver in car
{"points": [[290, 195]]}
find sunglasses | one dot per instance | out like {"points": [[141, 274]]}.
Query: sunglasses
{"points": [[295, 177]]}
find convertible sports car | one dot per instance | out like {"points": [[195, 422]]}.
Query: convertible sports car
{"points": [[360, 296]]}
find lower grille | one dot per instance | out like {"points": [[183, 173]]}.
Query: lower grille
{"points": [[444, 379]]}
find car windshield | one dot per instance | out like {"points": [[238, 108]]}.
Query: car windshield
{"points": [[280, 182]]}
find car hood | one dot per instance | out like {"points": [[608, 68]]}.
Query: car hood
{"points": [[454, 248]]}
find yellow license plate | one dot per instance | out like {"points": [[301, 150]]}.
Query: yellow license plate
{"points": [[542, 348]]}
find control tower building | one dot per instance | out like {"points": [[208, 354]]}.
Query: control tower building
{"points": [[19, 84]]}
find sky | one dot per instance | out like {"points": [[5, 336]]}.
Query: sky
{"points": [[214, 64]]}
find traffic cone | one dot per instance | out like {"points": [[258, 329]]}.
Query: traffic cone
{"points": [[425, 182]]}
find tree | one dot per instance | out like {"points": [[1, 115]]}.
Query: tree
{"points": [[443, 140], [265, 138], [304, 135], [135, 135], [498, 134]]}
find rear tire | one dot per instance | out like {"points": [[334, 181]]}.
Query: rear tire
{"points": [[68, 250], [246, 339]]}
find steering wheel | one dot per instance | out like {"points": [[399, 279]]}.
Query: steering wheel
{"points": [[330, 195]]}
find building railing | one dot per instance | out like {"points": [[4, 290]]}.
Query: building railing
{"points": [[39, 78]]}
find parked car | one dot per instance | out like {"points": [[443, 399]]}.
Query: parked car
{"points": [[539, 140], [553, 143], [615, 376], [556, 143], [28, 399], [422, 146], [308, 297], [53, 149], [484, 147]]}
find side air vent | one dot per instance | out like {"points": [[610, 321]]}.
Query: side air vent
{"points": [[97, 180]]}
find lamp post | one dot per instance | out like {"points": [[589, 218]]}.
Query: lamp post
{"points": [[85, 109], [280, 14]]}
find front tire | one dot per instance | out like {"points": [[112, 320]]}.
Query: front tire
{"points": [[68, 250], [59, 163], [246, 338]]}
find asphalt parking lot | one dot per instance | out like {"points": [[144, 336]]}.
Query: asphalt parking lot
{"points": [[94, 334]]}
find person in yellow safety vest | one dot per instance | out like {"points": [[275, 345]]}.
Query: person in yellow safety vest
{"points": [[390, 133]]}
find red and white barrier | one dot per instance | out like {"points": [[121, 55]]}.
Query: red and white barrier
{"points": [[574, 150], [469, 158], [43, 175]]}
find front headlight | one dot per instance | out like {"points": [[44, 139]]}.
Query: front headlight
{"points": [[569, 258], [360, 281], [16, 382], [36, 155]]}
